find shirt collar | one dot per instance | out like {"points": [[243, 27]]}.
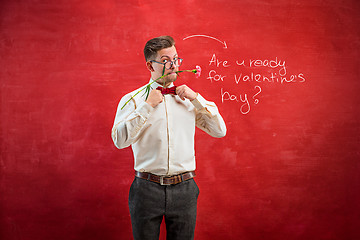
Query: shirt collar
{"points": [[155, 84]]}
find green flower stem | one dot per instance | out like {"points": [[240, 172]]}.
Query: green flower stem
{"points": [[147, 87]]}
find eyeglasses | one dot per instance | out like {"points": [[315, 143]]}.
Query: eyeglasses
{"points": [[168, 64]]}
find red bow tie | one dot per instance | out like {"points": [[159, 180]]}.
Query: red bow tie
{"points": [[171, 90]]}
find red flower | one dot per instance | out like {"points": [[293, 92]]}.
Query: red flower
{"points": [[197, 71]]}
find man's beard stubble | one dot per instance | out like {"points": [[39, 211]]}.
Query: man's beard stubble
{"points": [[168, 79]]}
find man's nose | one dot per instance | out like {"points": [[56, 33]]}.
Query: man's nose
{"points": [[173, 65]]}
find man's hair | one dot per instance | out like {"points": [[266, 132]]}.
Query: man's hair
{"points": [[154, 45]]}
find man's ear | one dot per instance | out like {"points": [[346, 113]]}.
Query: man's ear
{"points": [[149, 67]]}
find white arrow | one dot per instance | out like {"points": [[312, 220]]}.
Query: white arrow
{"points": [[224, 43]]}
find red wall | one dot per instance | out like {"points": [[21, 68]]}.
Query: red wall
{"points": [[288, 167]]}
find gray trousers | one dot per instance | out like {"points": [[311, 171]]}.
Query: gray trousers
{"points": [[149, 202]]}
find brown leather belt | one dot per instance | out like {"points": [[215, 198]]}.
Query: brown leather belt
{"points": [[165, 180]]}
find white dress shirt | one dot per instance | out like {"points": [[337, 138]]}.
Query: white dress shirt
{"points": [[162, 138]]}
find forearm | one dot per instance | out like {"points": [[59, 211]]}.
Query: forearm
{"points": [[129, 123], [208, 117]]}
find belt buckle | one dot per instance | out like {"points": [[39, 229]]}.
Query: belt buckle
{"points": [[162, 182]]}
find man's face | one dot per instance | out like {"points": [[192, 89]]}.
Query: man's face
{"points": [[165, 55]]}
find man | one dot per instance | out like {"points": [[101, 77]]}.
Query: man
{"points": [[161, 129]]}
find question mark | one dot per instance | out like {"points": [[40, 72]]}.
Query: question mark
{"points": [[256, 101]]}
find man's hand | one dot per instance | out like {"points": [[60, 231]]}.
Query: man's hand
{"points": [[184, 92], [155, 98]]}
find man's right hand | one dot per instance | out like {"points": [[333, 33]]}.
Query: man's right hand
{"points": [[155, 98]]}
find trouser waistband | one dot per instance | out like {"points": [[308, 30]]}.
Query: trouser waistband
{"points": [[166, 180]]}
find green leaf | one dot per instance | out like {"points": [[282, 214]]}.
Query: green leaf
{"points": [[147, 91]]}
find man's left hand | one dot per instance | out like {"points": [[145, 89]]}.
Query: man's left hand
{"points": [[184, 92]]}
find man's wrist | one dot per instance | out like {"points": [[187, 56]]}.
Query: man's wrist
{"points": [[145, 109], [192, 99], [150, 103]]}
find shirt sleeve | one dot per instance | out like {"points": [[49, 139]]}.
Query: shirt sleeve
{"points": [[129, 121], [208, 117]]}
